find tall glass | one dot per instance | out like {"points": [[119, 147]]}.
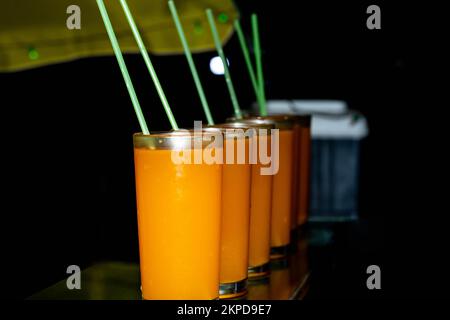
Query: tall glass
{"points": [[235, 212], [179, 217], [260, 201], [282, 185]]}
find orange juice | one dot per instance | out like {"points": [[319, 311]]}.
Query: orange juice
{"points": [[260, 217], [282, 185], [281, 196], [298, 123], [304, 172], [235, 216], [300, 187], [260, 203], [179, 219]]}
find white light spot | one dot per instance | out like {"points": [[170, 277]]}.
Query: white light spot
{"points": [[216, 66]]}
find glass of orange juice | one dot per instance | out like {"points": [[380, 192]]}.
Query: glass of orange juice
{"points": [[280, 234], [300, 169], [235, 211], [260, 202], [179, 216]]}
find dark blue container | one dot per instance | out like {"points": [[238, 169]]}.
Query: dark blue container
{"points": [[334, 179]]}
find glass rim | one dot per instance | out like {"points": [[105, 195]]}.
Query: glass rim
{"points": [[238, 124], [279, 123], [172, 140], [225, 131], [304, 119], [301, 119]]}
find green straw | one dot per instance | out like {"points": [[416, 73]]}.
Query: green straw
{"points": [[259, 69], [251, 71], [123, 67], [188, 54], [148, 62], [215, 34]]}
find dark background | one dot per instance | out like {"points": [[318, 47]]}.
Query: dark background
{"points": [[69, 174]]}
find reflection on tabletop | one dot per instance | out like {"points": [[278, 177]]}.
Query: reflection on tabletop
{"points": [[120, 281]]}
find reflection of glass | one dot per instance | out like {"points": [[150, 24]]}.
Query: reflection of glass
{"points": [[299, 261], [280, 280], [259, 289], [179, 217]]}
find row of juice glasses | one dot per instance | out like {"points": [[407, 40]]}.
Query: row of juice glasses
{"points": [[204, 228]]}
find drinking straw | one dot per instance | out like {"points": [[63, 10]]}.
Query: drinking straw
{"points": [[191, 63], [248, 62], [259, 69], [215, 34], [149, 64], [123, 67]]}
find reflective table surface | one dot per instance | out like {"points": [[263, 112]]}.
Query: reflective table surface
{"points": [[112, 280]]}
